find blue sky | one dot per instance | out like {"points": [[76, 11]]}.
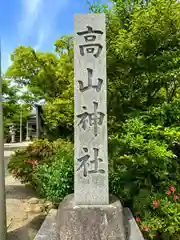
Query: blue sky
{"points": [[35, 23]]}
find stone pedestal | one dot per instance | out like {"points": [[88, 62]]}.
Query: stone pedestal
{"points": [[13, 138], [104, 222]]}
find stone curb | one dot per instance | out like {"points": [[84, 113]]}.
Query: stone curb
{"points": [[14, 146], [48, 228], [133, 229]]}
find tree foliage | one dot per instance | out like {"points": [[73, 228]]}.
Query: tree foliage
{"points": [[12, 110], [143, 39], [47, 76], [142, 62], [143, 58]]}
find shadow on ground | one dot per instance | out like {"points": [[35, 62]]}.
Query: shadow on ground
{"points": [[27, 232], [19, 192]]}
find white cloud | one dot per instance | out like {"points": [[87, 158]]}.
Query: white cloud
{"points": [[41, 38], [32, 6], [30, 14], [38, 18]]}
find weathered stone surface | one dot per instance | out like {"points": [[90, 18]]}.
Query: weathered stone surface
{"points": [[34, 208], [42, 201], [90, 222], [37, 209], [133, 231], [48, 228], [48, 204], [91, 156], [33, 201]]}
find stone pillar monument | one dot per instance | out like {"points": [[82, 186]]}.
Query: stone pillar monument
{"points": [[27, 131], [91, 154], [12, 132], [90, 214], [38, 122]]}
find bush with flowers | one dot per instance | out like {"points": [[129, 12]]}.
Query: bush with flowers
{"points": [[21, 165], [144, 171], [24, 161], [159, 216], [145, 174]]}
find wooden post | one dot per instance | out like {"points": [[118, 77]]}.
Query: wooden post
{"points": [[2, 173]]}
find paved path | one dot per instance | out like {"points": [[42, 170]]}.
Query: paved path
{"points": [[20, 225], [10, 146]]}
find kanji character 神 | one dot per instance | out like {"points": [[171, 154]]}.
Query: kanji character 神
{"points": [[95, 118]]}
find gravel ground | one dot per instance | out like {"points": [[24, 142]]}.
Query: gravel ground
{"points": [[22, 224]]}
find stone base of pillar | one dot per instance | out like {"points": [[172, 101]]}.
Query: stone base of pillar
{"points": [[104, 222]]}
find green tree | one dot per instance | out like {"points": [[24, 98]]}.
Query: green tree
{"points": [[143, 55], [58, 112], [34, 70], [47, 76], [12, 110]]}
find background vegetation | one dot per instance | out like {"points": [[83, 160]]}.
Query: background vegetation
{"points": [[143, 61]]}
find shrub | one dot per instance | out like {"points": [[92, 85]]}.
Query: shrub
{"points": [[21, 165], [55, 181], [142, 164], [23, 162], [160, 214], [41, 149]]}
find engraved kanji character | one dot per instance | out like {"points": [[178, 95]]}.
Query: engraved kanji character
{"points": [[95, 118], [96, 161], [93, 48], [83, 88], [85, 164], [83, 160]]}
